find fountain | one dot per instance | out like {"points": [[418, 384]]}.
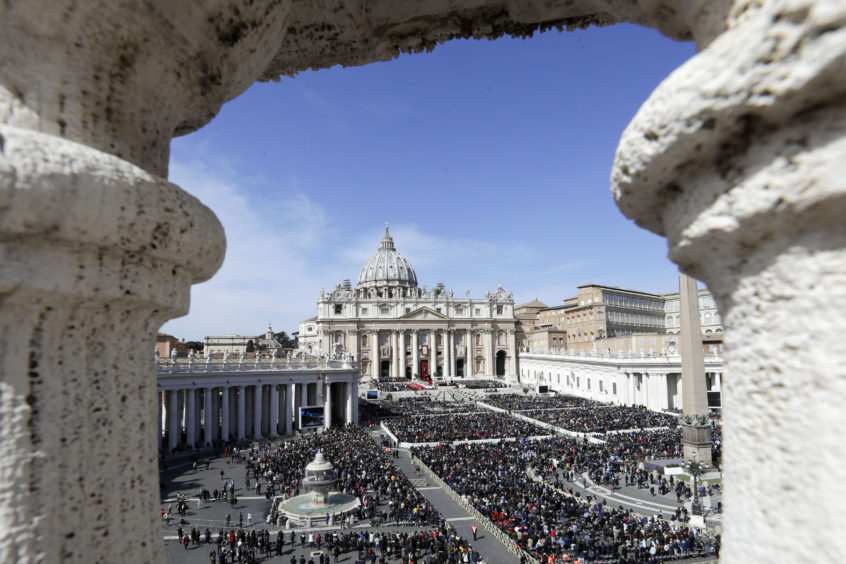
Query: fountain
{"points": [[319, 504]]}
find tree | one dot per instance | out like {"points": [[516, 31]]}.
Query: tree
{"points": [[251, 347], [196, 346]]}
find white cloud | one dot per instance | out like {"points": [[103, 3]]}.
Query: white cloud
{"points": [[269, 273]]}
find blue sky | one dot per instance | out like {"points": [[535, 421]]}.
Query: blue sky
{"points": [[489, 159]]}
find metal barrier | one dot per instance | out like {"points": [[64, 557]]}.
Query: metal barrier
{"points": [[509, 543]]}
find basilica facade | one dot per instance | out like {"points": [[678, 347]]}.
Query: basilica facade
{"points": [[397, 329]]}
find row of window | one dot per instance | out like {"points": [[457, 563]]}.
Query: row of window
{"points": [[423, 339], [386, 310]]}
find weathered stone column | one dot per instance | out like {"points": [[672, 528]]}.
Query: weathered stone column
{"points": [[224, 412], [327, 405], [739, 159], [290, 407], [274, 410]]}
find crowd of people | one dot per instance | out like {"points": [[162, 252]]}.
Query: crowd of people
{"points": [[438, 545], [546, 520], [604, 418], [514, 402], [481, 425]]}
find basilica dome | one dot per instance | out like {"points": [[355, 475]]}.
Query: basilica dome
{"points": [[387, 268]]}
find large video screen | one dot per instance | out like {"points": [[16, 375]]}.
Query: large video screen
{"points": [[543, 389], [714, 400], [372, 394], [312, 416]]}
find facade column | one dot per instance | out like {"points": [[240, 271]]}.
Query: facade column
{"points": [[395, 353], [433, 353], [274, 410], [356, 345], [448, 373], [375, 355], [415, 354], [511, 373], [242, 412], [173, 430], [190, 417], [489, 353], [207, 416], [327, 406], [224, 413], [257, 411], [401, 353], [469, 356]]}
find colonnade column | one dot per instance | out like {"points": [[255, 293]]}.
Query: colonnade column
{"points": [[349, 403], [257, 411], [469, 356], [242, 408], [190, 417], [415, 353], [173, 430], [274, 410], [207, 415], [291, 402], [327, 409], [401, 353], [224, 413]]}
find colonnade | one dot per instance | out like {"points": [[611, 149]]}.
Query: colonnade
{"points": [[201, 415]]}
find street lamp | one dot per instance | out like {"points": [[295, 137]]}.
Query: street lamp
{"points": [[695, 469]]}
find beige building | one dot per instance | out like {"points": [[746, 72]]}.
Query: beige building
{"points": [[527, 319], [610, 319]]}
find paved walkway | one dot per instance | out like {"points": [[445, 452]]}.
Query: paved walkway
{"points": [[489, 547]]}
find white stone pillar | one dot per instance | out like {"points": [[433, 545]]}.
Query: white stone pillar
{"points": [[291, 402], [349, 402], [374, 355], [469, 356], [190, 417], [327, 411], [401, 353], [224, 413], [274, 410], [354, 384], [257, 411], [394, 353], [173, 431], [415, 354], [356, 345], [242, 412], [512, 351], [447, 338], [207, 415], [433, 353], [490, 366]]}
